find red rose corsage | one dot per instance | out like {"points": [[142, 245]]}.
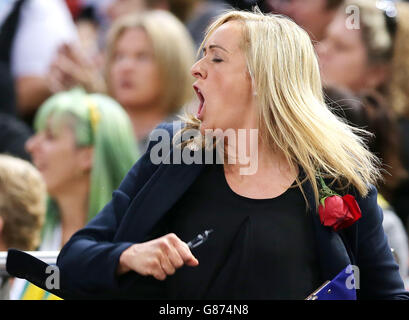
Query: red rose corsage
{"points": [[336, 211]]}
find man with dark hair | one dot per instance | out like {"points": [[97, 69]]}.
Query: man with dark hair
{"points": [[312, 15]]}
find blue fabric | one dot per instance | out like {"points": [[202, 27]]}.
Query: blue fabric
{"points": [[89, 260], [342, 287]]}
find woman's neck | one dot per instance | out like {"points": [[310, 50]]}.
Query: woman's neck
{"points": [[144, 120], [267, 174], [73, 209], [258, 160]]}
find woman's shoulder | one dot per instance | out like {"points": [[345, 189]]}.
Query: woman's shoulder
{"points": [[165, 130], [364, 200], [372, 214], [367, 202]]}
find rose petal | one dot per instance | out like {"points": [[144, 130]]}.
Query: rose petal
{"points": [[333, 211], [353, 206], [338, 212]]}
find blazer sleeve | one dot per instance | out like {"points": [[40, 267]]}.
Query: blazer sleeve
{"points": [[89, 260], [379, 276]]}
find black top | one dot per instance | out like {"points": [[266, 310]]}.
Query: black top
{"points": [[260, 249]]}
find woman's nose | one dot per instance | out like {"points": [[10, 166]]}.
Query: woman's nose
{"points": [[197, 71], [126, 65], [322, 50], [31, 144]]}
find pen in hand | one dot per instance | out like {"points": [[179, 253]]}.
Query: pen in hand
{"points": [[199, 239]]}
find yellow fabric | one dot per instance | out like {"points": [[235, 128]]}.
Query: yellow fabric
{"points": [[32, 292], [382, 202]]}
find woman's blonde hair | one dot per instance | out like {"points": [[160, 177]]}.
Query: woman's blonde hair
{"points": [[173, 51], [22, 203], [292, 114]]}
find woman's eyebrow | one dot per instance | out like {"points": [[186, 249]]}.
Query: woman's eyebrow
{"points": [[214, 46]]}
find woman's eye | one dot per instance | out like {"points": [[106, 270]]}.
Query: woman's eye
{"points": [[217, 60], [339, 46], [49, 135], [144, 56], [118, 56]]}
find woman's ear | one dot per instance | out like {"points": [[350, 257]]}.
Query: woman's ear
{"points": [[85, 161]]}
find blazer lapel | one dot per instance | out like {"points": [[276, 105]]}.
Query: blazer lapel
{"points": [[155, 199], [332, 253]]}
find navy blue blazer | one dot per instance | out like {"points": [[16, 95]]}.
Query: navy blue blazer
{"points": [[89, 260]]}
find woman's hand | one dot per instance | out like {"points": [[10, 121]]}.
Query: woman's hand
{"points": [[71, 67], [159, 257]]}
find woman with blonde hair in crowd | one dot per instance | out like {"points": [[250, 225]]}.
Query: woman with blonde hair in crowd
{"points": [[83, 148], [22, 208], [147, 69], [278, 232]]}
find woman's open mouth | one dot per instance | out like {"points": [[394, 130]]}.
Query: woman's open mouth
{"points": [[201, 104]]}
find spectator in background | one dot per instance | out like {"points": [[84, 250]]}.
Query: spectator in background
{"points": [[83, 148], [313, 15], [147, 69], [398, 98], [357, 59], [374, 58], [22, 208], [78, 136], [8, 30], [34, 46], [13, 132]]}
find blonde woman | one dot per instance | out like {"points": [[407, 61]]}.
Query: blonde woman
{"points": [[147, 69], [22, 208], [270, 239]]}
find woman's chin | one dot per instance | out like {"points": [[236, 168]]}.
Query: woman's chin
{"points": [[203, 127]]}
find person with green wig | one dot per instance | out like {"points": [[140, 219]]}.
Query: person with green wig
{"points": [[84, 145]]}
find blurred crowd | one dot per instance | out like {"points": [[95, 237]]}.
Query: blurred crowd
{"points": [[84, 82]]}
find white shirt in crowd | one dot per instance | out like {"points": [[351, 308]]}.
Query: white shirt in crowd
{"points": [[44, 26]]}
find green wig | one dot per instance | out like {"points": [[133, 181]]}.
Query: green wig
{"points": [[98, 121]]}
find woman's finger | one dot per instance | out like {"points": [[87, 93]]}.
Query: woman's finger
{"points": [[174, 257], [183, 250], [166, 265], [159, 273]]}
